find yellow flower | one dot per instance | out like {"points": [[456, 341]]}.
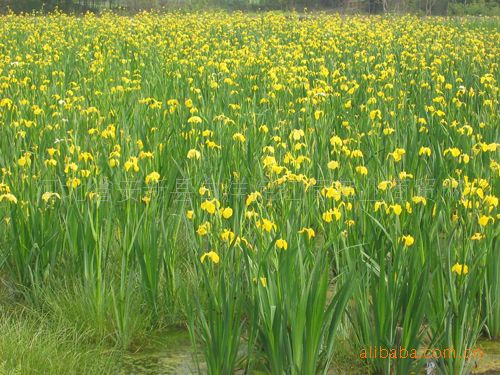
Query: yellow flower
{"points": [[378, 204], [73, 183], [195, 120], [408, 240], [85, 173], [203, 229], [477, 236], [48, 195], [450, 182], [484, 220], [9, 197], [336, 141], [266, 225], [146, 155], [263, 281], [331, 192], [132, 164], [194, 154], [250, 214], [281, 244], [491, 201], [296, 134], [4, 188], [397, 209], [190, 214], [318, 114], [212, 255], [153, 177], [252, 198], [397, 155], [386, 184], [455, 152], [460, 269], [227, 235], [226, 212], [24, 160], [376, 113], [85, 156], [333, 164], [239, 137], [328, 215], [269, 161], [50, 162], [210, 206], [203, 190], [362, 170], [309, 231], [417, 199], [92, 195], [424, 151], [212, 144], [207, 133], [70, 167], [356, 154], [403, 175]]}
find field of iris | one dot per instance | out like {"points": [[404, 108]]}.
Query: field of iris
{"points": [[272, 182]]}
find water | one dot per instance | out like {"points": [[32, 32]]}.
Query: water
{"points": [[490, 363], [171, 354]]}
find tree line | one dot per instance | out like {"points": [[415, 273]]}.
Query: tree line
{"points": [[423, 7]]}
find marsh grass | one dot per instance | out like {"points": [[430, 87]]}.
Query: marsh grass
{"points": [[32, 343]]}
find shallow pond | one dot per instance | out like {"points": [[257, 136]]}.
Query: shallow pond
{"points": [[170, 354]]}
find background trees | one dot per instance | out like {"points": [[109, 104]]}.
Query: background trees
{"points": [[423, 7]]}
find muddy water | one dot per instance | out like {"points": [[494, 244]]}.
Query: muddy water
{"points": [[490, 363], [171, 354]]}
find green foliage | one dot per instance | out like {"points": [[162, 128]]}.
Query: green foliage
{"points": [[299, 314], [217, 320], [389, 306], [33, 344], [475, 8], [454, 315], [492, 291]]}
